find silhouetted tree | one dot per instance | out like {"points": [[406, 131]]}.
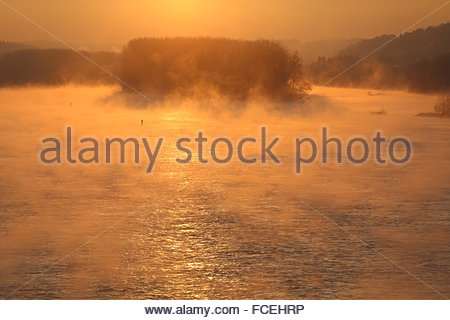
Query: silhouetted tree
{"points": [[443, 105], [236, 69]]}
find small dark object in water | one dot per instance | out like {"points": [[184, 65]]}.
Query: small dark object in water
{"points": [[381, 112], [142, 122]]}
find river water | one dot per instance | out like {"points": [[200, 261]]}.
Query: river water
{"points": [[222, 231]]}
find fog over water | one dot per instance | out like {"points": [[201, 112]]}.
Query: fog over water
{"points": [[222, 231]]}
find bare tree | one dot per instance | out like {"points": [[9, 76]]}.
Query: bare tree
{"points": [[443, 105]]}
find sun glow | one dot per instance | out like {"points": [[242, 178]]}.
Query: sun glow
{"points": [[184, 10]]}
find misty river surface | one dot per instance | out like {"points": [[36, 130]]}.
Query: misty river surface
{"points": [[222, 231]]}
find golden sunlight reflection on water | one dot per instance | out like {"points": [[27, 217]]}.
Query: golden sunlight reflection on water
{"points": [[221, 231]]}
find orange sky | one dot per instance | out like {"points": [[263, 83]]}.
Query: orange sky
{"points": [[117, 21]]}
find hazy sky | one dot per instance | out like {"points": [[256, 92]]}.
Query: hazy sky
{"points": [[117, 21]]}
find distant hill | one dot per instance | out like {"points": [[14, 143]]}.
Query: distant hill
{"points": [[417, 60], [6, 46], [311, 50], [408, 48]]}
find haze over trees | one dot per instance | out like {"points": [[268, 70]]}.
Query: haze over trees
{"points": [[160, 67], [6, 46], [240, 69], [418, 61], [55, 67], [310, 50], [232, 68]]}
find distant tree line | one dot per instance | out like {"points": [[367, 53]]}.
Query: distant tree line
{"points": [[55, 67], [239, 69], [160, 67], [425, 75], [418, 61]]}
